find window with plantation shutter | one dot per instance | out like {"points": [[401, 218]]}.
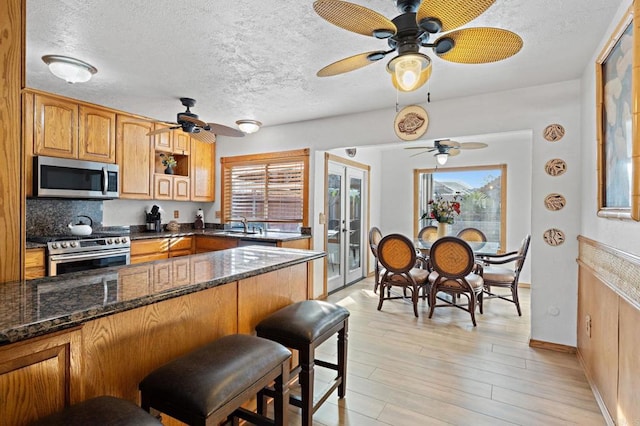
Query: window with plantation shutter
{"points": [[266, 188]]}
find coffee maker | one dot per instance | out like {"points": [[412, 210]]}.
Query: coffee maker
{"points": [[154, 222]]}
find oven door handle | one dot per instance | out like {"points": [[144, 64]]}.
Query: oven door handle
{"points": [[87, 256]]}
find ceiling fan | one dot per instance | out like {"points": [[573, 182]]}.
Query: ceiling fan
{"points": [[446, 148], [200, 130], [414, 28]]}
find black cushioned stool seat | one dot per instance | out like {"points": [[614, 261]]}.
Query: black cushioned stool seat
{"points": [[208, 385], [304, 326], [100, 411]]}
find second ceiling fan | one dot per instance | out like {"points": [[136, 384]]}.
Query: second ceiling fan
{"points": [[446, 148], [413, 29]]}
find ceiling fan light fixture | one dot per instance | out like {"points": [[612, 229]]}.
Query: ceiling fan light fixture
{"points": [[441, 158], [408, 71], [69, 69], [248, 126]]}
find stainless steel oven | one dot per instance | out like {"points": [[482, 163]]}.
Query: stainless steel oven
{"points": [[73, 255]]}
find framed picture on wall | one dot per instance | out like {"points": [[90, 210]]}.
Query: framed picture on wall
{"points": [[617, 87]]}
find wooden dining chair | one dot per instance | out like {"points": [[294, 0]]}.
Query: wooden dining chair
{"points": [[455, 272], [428, 233], [375, 235], [398, 257], [472, 235], [497, 275]]}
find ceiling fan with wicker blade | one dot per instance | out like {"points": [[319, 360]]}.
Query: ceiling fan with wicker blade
{"points": [[419, 21], [190, 123], [446, 148]]}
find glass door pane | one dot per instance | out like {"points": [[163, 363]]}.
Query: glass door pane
{"points": [[335, 226], [354, 252]]}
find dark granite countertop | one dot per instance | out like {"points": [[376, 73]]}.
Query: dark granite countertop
{"points": [[265, 236], [37, 307]]}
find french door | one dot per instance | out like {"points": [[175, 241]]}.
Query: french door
{"points": [[345, 225]]}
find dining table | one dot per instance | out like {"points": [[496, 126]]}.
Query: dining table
{"points": [[480, 248]]}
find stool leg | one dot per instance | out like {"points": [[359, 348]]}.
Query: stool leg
{"points": [[342, 359], [260, 404], [281, 399], [306, 378]]}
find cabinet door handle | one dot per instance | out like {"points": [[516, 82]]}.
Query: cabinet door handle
{"points": [[105, 181]]}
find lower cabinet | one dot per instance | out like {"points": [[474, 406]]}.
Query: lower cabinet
{"points": [[206, 243], [160, 248], [40, 376], [34, 263]]}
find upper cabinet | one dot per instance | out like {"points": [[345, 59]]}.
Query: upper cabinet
{"points": [[58, 127], [97, 135], [203, 155], [135, 157], [175, 141]]}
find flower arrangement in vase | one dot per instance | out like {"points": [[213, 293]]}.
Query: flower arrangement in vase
{"points": [[169, 162], [443, 211]]}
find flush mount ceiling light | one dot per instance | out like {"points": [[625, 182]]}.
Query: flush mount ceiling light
{"points": [[69, 69], [249, 126]]}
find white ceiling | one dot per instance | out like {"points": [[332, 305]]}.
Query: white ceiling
{"points": [[258, 59]]}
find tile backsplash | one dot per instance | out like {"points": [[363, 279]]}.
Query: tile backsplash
{"points": [[51, 216]]}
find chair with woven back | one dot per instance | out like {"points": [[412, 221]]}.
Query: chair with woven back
{"points": [[473, 235], [497, 275], [375, 235], [455, 272], [428, 233], [398, 257]]}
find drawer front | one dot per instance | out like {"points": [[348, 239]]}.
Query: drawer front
{"points": [[34, 258], [181, 243], [149, 257], [214, 243], [156, 245]]}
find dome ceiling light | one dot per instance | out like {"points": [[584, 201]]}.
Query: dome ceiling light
{"points": [[69, 69]]}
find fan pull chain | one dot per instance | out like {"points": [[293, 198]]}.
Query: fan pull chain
{"points": [[397, 100]]}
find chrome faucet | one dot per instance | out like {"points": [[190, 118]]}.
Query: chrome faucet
{"points": [[243, 220]]}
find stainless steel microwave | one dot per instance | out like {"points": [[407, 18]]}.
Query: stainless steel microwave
{"points": [[65, 178]]}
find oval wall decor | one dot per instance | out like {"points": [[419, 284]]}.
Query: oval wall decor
{"points": [[411, 122], [554, 237], [555, 202], [553, 132], [555, 167]]}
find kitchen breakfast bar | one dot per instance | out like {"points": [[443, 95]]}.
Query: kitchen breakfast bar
{"points": [[72, 337]]}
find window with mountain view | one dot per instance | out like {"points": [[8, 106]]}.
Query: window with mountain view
{"points": [[481, 192]]}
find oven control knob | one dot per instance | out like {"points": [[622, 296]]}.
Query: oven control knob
{"points": [[74, 244], [124, 240], [63, 244], [54, 245], [117, 241], [109, 241]]}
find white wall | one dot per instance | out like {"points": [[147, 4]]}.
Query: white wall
{"points": [[621, 234], [132, 212], [529, 110]]}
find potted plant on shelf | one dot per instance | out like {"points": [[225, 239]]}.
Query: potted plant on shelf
{"points": [[169, 162], [443, 211]]}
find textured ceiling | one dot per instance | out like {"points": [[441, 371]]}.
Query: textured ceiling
{"points": [[258, 59]]}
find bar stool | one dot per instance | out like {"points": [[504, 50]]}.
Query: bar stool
{"points": [[304, 326], [209, 385], [103, 411]]}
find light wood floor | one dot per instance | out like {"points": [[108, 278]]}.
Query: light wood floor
{"points": [[407, 371]]}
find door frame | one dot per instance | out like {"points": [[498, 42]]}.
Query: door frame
{"points": [[366, 215]]}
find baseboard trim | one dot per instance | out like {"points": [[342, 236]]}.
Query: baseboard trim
{"points": [[540, 344], [596, 392]]}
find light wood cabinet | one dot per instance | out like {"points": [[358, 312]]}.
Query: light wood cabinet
{"points": [[69, 129], [43, 374], [206, 243], [55, 127], [170, 187], [202, 171], [97, 135], [34, 263], [176, 141], [134, 157], [150, 249], [180, 246]]}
